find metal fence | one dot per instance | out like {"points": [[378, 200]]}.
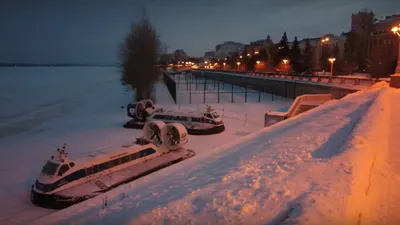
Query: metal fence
{"points": [[194, 89], [171, 85]]}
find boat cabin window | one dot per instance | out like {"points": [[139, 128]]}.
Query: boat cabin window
{"points": [[50, 168], [208, 115], [71, 164], [64, 168]]}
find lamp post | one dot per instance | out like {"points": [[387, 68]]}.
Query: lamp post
{"points": [[224, 65], [238, 63], [395, 78], [332, 61], [285, 61], [323, 41]]}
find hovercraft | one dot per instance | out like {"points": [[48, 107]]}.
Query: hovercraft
{"points": [[64, 181], [207, 122]]}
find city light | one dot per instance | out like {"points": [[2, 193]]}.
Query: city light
{"points": [[258, 62], [396, 30], [332, 60], [285, 61], [240, 56], [238, 63], [248, 54], [325, 40], [256, 53]]}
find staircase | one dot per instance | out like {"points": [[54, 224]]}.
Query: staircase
{"points": [[301, 104]]}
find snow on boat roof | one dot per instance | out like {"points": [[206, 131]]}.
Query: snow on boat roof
{"points": [[102, 151], [182, 112]]}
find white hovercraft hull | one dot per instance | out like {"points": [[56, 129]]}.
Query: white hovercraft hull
{"points": [[103, 183]]}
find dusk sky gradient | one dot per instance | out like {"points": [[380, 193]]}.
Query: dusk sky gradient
{"points": [[88, 31]]}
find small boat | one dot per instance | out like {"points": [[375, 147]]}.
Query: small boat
{"points": [[65, 181], [201, 123]]}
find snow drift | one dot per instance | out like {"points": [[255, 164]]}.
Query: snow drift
{"points": [[310, 169]]}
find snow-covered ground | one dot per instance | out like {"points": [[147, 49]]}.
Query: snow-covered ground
{"points": [[81, 106], [336, 164]]}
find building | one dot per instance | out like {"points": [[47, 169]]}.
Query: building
{"points": [[256, 46], [227, 48], [209, 55], [218, 47], [362, 24], [383, 38], [180, 55]]}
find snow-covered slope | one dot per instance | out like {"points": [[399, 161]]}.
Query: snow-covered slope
{"points": [[303, 170]]}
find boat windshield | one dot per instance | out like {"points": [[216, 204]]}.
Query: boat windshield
{"points": [[215, 115], [50, 168]]}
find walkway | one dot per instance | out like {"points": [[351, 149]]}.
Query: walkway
{"points": [[390, 197], [336, 81]]}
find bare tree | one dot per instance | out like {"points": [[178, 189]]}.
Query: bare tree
{"points": [[138, 55]]}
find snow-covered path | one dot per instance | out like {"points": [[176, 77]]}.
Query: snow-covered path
{"points": [[382, 195], [393, 195], [253, 180]]}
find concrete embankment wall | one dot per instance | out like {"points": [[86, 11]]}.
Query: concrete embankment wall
{"points": [[280, 87]]}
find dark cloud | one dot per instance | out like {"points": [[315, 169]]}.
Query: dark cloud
{"points": [[89, 31]]}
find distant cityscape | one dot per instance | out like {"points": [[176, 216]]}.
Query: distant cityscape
{"points": [[374, 43]]}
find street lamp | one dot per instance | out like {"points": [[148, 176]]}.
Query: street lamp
{"points": [[224, 65], [395, 78], [332, 61], [238, 63], [248, 54], [323, 41], [285, 61]]}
